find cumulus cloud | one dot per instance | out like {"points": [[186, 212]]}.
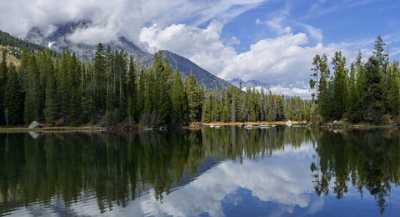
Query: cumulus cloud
{"points": [[262, 177], [190, 28], [202, 45], [126, 17], [285, 59]]}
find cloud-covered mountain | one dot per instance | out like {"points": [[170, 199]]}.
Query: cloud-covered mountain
{"points": [[187, 67], [62, 37], [273, 88]]}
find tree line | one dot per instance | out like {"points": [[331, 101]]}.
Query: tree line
{"points": [[113, 89], [63, 90], [366, 91], [234, 105]]}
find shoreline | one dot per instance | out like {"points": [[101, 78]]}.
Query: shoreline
{"points": [[356, 126], [258, 123], [84, 129], [98, 129], [201, 125]]}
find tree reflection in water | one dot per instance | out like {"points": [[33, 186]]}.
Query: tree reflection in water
{"points": [[119, 168]]}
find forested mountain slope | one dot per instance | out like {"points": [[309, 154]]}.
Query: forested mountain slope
{"points": [[59, 40]]}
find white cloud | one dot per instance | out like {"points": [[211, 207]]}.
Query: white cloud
{"points": [[278, 179], [125, 17], [202, 45], [315, 33], [276, 25], [284, 60], [290, 90]]}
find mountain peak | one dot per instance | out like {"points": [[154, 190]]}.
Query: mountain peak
{"points": [[58, 40], [187, 67]]}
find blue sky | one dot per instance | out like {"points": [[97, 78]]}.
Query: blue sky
{"points": [[272, 41], [339, 21]]}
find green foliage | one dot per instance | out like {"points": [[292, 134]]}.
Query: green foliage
{"points": [[61, 90], [32, 88], [339, 86], [368, 92], [3, 83], [195, 95], [8, 40], [13, 98], [131, 90], [179, 101], [235, 105]]}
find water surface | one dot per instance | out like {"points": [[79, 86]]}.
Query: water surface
{"points": [[213, 172]]}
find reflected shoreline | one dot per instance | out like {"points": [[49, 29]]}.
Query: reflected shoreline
{"points": [[120, 168]]}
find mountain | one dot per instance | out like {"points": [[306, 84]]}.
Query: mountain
{"points": [[250, 84], [59, 40], [14, 46], [288, 90], [187, 67], [11, 41]]}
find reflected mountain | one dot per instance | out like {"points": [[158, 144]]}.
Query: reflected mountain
{"points": [[212, 172]]}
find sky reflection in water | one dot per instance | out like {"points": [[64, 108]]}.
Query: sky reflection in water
{"points": [[225, 172]]}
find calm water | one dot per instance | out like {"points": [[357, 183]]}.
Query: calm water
{"points": [[215, 172]]}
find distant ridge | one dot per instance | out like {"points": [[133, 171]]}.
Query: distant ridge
{"points": [[187, 67], [59, 40]]}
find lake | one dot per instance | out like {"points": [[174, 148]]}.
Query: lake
{"points": [[213, 172]]}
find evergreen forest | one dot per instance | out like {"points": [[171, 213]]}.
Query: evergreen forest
{"points": [[367, 90], [61, 90]]}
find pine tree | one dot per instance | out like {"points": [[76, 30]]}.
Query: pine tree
{"points": [[162, 101], [179, 101], [3, 82], [100, 78], [74, 109], [393, 91], [339, 86], [88, 95], [13, 98], [373, 92], [195, 98], [207, 110], [131, 92], [321, 68], [51, 107], [32, 104]]}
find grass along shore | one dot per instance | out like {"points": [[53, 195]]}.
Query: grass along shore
{"points": [[66, 129], [257, 123], [193, 126]]}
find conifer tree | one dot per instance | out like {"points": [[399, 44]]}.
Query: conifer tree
{"points": [[100, 78], [321, 68], [13, 98], [195, 98], [32, 105], [131, 92], [51, 107], [3, 82], [179, 101], [339, 86]]}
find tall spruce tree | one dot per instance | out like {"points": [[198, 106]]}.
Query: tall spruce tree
{"points": [[32, 100], [13, 98], [195, 98], [321, 68], [51, 106], [3, 82], [179, 101], [339, 86], [132, 92], [100, 78]]}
